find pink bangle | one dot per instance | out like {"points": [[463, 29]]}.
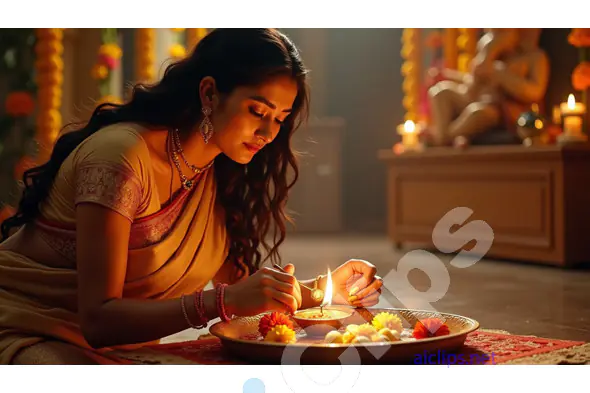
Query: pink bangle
{"points": [[220, 302], [200, 309]]}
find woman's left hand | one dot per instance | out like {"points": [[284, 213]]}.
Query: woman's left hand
{"points": [[356, 283]]}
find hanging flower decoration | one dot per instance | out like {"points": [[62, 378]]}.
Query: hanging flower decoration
{"points": [[177, 49], [467, 44], [108, 60], [410, 69], [49, 65], [580, 38], [18, 63], [581, 76], [145, 54]]}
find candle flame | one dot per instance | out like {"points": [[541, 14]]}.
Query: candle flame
{"points": [[409, 126], [328, 292], [571, 102]]}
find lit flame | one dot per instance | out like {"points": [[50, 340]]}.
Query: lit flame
{"points": [[328, 292], [409, 126], [571, 102]]}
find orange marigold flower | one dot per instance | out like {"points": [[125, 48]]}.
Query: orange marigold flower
{"points": [[581, 76], [110, 50], [268, 321], [579, 38], [281, 334], [177, 51], [49, 119], [19, 104], [430, 327], [99, 72]]}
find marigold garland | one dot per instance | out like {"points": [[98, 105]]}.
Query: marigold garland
{"points": [[581, 76], [49, 66], [467, 44], [450, 49], [145, 54], [411, 53], [108, 60], [177, 49], [580, 38]]}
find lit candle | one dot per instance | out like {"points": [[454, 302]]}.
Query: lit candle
{"points": [[573, 113], [409, 133], [320, 320]]}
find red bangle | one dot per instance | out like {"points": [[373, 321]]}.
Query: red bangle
{"points": [[220, 302], [200, 309]]}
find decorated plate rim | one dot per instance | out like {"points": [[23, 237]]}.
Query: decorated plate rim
{"points": [[474, 326]]}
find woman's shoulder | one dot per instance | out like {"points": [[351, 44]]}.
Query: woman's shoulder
{"points": [[112, 167], [114, 142]]}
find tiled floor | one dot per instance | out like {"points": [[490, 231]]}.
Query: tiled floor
{"points": [[517, 297]]}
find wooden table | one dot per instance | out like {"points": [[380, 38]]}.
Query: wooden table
{"points": [[536, 199]]}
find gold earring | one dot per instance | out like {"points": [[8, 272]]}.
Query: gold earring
{"points": [[206, 127]]}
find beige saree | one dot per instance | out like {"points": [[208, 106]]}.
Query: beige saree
{"points": [[173, 250]]}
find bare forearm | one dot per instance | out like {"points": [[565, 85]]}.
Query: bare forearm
{"points": [[130, 321]]}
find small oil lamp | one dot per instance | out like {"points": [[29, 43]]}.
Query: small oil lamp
{"points": [[318, 321]]}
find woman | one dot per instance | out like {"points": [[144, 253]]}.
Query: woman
{"points": [[140, 208]]}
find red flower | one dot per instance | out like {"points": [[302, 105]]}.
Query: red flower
{"points": [[579, 38], [430, 327], [581, 76], [110, 62], [268, 321], [19, 104]]}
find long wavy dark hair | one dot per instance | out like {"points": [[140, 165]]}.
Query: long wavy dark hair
{"points": [[253, 195]]}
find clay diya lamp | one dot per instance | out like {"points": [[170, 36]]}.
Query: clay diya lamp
{"points": [[318, 321]]}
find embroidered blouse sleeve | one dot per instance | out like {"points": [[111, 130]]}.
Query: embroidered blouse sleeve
{"points": [[110, 172]]}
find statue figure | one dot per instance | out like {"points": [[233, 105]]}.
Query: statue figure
{"points": [[508, 74]]}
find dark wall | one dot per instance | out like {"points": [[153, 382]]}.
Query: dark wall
{"points": [[563, 58], [364, 87]]}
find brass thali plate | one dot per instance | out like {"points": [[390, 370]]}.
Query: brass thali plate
{"points": [[240, 337]]}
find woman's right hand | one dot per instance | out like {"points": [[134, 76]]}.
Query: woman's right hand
{"points": [[266, 290]]}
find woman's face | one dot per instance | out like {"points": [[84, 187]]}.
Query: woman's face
{"points": [[251, 117]]}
